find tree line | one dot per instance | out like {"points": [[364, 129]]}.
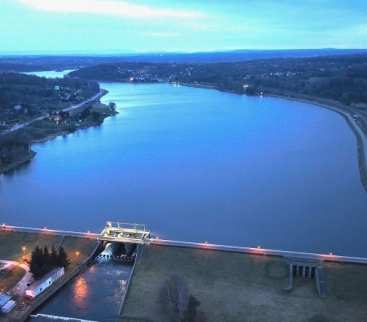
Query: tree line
{"points": [[44, 260]]}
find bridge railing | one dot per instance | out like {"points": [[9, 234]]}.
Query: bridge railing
{"points": [[175, 243], [122, 225]]}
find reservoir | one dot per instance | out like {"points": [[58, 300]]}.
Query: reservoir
{"points": [[201, 165]]}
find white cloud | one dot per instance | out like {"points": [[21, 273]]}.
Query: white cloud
{"points": [[162, 34], [108, 7]]}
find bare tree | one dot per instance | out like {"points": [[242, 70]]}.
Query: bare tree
{"points": [[174, 298]]}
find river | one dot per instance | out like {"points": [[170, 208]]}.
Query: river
{"points": [[95, 295], [201, 165]]}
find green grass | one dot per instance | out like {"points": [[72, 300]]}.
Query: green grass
{"points": [[238, 287]]}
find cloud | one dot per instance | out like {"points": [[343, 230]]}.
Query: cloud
{"points": [[108, 7], [162, 34]]}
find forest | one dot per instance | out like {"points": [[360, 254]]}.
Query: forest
{"points": [[341, 78]]}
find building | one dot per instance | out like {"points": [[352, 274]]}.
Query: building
{"points": [[42, 284], [6, 303], [18, 107]]}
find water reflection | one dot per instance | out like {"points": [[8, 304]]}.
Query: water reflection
{"points": [[94, 295], [80, 292]]}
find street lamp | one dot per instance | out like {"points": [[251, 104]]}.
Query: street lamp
{"points": [[24, 249]]}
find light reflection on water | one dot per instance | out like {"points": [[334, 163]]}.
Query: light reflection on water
{"points": [[94, 295], [80, 292]]}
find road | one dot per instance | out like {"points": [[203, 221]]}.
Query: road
{"points": [[42, 117], [27, 279], [205, 245]]}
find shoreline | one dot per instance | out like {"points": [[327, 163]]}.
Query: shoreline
{"points": [[343, 110], [29, 157], [18, 163], [348, 116]]}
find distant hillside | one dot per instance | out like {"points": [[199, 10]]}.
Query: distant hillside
{"points": [[236, 55], [339, 78], [24, 63]]}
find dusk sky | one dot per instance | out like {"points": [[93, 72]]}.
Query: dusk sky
{"points": [[117, 26]]}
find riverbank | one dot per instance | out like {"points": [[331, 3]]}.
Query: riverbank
{"points": [[355, 118], [20, 160], [88, 114], [15, 246]]}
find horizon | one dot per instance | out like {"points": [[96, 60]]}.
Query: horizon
{"points": [[81, 53]]}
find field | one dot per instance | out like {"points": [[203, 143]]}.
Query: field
{"points": [[238, 287]]}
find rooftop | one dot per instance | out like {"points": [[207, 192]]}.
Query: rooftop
{"points": [[52, 274]]}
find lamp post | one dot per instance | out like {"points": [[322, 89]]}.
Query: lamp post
{"points": [[24, 249]]}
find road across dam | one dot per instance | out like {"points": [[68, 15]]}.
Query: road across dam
{"points": [[143, 236]]}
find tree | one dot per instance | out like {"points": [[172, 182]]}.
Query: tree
{"points": [[174, 298], [36, 263], [62, 260], [42, 261], [54, 256], [190, 314], [46, 267]]}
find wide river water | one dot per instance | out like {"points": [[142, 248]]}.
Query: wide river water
{"points": [[201, 165]]}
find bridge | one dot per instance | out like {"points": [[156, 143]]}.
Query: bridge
{"points": [[138, 234]]}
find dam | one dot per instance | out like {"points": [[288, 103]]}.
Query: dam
{"points": [[226, 280]]}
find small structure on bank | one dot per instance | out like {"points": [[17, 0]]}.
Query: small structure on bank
{"points": [[6, 303], [45, 282], [309, 269]]}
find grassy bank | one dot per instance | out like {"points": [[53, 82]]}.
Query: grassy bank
{"points": [[238, 287]]}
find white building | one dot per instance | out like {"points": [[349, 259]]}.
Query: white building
{"points": [[18, 107], [41, 285]]}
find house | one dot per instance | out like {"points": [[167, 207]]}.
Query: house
{"points": [[6, 303], [18, 107], [46, 281]]}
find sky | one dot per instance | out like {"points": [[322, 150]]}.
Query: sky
{"points": [[136, 26]]}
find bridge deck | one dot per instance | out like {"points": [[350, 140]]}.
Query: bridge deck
{"points": [[175, 243]]}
